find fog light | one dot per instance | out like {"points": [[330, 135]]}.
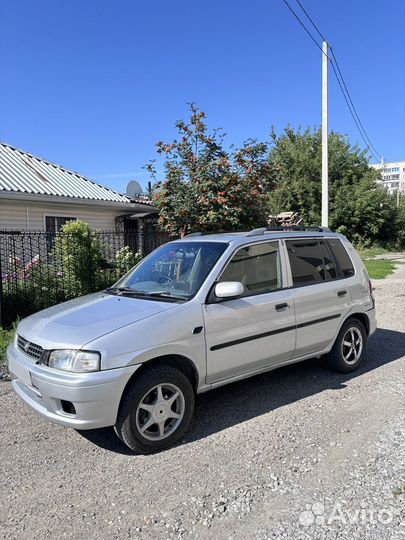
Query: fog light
{"points": [[68, 407]]}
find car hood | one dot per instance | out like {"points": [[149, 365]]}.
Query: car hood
{"points": [[79, 321]]}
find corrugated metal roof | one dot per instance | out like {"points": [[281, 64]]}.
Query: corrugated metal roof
{"points": [[22, 172]]}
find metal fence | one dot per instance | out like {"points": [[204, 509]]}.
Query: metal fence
{"points": [[39, 269]]}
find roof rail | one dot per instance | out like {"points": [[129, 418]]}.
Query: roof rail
{"points": [[204, 233], [262, 230]]}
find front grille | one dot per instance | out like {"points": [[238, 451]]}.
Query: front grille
{"points": [[32, 349]]}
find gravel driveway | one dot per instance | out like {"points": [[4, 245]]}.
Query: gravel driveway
{"points": [[300, 452]]}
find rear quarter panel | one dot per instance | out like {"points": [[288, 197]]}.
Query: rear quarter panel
{"points": [[359, 283]]}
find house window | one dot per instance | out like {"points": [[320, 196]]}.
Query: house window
{"points": [[53, 224]]}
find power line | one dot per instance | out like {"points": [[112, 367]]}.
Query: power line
{"points": [[369, 143], [303, 25], [339, 78], [345, 90], [351, 101], [311, 21]]}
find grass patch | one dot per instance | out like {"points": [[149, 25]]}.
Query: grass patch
{"points": [[379, 268], [373, 252], [6, 337]]}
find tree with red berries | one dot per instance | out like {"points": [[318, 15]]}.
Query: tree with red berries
{"points": [[207, 188]]}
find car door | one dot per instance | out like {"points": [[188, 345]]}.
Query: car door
{"points": [[320, 298], [256, 329]]}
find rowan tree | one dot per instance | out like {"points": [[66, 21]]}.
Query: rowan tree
{"points": [[207, 187]]}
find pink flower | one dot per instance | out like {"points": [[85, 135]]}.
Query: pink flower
{"points": [[16, 260], [34, 262]]}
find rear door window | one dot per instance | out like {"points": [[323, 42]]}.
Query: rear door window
{"points": [[330, 270], [306, 261], [342, 257]]}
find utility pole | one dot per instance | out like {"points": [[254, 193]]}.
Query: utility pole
{"points": [[325, 187]]}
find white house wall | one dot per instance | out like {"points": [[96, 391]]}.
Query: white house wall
{"points": [[31, 216]]}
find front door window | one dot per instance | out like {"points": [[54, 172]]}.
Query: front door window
{"points": [[257, 267]]}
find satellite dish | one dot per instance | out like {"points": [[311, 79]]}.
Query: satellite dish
{"points": [[133, 189]]}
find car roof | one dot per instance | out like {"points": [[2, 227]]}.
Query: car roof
{"points": [[257, 235]]}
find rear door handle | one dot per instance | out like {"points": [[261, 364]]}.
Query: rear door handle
{"points": [[341, 293], [280, 307]]}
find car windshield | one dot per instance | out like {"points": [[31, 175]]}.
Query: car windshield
{"points": [[175, 270]]}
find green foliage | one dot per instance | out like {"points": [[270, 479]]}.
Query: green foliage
{"points": [[74, 267], [78, 253], [400, 223], [6, 337], [23, 297], [379, 268], [359, 207], [371, 252], [125, 259], [207, 187], [365, 213]]}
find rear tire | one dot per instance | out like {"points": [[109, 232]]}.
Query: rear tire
{"points": [[155, 410], [349, 350]]}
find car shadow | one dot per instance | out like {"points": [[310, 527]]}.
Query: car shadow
{"points": [[252, 397]]}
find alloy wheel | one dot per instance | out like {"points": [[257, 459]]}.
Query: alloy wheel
{"points": [[160, 411], [352, 345]]}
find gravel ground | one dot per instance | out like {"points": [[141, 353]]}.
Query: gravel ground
{"points": [[300, 452]]}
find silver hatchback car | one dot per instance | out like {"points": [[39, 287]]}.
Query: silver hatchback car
{"points": [[197, 313]]}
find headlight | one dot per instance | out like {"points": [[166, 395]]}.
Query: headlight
{"points": [[76, 361]]}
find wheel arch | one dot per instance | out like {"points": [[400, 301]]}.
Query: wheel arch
{"points": [[362, 317], [182, 363]]}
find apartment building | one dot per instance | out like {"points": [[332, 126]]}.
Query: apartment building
{"points": [[393, 174]]}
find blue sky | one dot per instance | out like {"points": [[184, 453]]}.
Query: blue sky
{"points": [[93, 84]]}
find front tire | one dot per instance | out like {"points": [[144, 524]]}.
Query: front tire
{"points": [[156, 410], [349, 350]]}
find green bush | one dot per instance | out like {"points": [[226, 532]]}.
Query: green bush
{"points": [[79, 255], [400, 223], [6, 337], [76, 267], [22, 299], [125, 259]]}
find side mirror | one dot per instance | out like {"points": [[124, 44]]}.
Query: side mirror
{"points": [[229, 289]]}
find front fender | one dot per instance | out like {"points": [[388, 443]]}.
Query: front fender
{"points": [[160, 335]]}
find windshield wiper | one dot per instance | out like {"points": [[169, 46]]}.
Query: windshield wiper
{"points": [[137, 292], [167, 294], [128, 290]]}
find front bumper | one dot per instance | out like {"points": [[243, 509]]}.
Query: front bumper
{"points": [[95, 396]]}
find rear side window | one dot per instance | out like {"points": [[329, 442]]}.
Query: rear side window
{"points": [[342, 257], [330, 270], [306, 261]]}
